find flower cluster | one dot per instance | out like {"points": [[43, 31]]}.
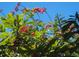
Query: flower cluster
{"points": [[48, 26], [24, 29], [41, 10]]}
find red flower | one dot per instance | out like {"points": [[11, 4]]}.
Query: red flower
{"points": [[24, 29], [41, 10], [34, 10]]}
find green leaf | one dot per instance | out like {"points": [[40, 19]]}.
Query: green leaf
{"points": [[5, 41], [10, 18], [56, 43], [23, 48], [7, 23], [75, 54], [4, 34], [11, 40], [38, 34], [40, 24], [30, 22]]}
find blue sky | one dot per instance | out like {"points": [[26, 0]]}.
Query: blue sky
{"points": [[63, 8]]}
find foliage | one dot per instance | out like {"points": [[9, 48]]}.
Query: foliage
{"points": [[21, 35]]}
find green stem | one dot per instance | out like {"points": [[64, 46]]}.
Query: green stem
{"points": [[48, 16]]}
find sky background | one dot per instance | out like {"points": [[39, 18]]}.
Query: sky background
{"points": [[63, 8]]}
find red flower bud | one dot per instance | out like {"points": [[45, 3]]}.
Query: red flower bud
{"points": [[25, 10], [33, 33]]}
